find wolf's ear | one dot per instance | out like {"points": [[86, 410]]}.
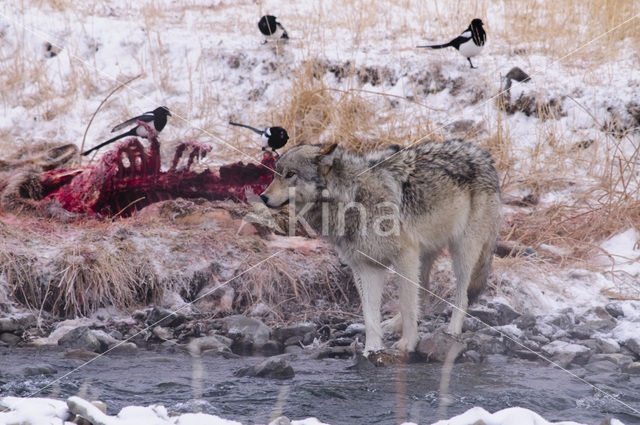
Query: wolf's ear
{"points": [[325, 154], [325, 158]]}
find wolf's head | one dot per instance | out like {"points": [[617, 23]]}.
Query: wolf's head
{"points": [[300, 175]]}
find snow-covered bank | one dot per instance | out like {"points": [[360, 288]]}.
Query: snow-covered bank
{"points": [[44, 411]]}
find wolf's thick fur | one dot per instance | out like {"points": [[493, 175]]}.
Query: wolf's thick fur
{"points": [[439, 194]]}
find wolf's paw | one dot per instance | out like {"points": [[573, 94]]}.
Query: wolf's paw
{"points": [[393, 325], [381, 357], [405, 345]]}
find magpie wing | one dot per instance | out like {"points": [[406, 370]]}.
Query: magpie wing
{"points": [[146, 117], [462, 38]]}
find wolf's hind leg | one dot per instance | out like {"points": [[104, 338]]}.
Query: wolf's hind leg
{"points": [[427, 258], [370, 282], [464, 254], [408, 268]]}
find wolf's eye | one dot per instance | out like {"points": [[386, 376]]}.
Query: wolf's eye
{"points": [[290, 174]]}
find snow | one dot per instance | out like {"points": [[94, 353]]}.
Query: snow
{"points": [[562, 347], [513, 415], [622, 253], [41, 411]]}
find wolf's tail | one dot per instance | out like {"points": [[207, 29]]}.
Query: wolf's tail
{"points": [[480, 273]]}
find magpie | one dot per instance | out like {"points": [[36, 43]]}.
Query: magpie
{"points": [[469, 43], [271, 28], [158, 117], [272, 137]]}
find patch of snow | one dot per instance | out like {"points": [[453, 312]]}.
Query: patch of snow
{"points": [[510, 416], [622, 253], [562, 347]]}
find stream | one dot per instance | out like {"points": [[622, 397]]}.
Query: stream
{"points": [[326, 389]]}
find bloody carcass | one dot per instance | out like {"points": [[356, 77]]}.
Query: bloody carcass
{"points": [[129, 177]]}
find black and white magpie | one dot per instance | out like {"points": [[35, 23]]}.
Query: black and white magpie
{"points": [[158, 117], [469, 43], [271, 28], [272, 137]]}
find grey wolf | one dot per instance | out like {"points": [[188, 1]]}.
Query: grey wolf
{"points": [[400, 208], [469, 43], [158, 117]]}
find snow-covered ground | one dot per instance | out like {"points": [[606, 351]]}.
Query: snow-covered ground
{"points": [[205, 60], [43, 411]]}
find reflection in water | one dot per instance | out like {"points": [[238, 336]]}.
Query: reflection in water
{"points": [[445, 378]]}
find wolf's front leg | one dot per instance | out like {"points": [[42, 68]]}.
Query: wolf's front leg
{"points": [[370, 282], [408, 269]]}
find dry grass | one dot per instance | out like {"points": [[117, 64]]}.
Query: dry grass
{"points": [[74, 269]]}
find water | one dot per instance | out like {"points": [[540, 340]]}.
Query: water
{"points": [[326, 389]]}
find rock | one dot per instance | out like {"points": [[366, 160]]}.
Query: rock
{"points": [[249, 328], [271, 348], [485, 344], [525, 354], [470, 324], [42, 369], [615, 309], [115, 334], [294, 340], [354, 329], [162, 333], [618, 359], [242, 347], [601, 366], [162, 317], [581, 331], [10, 338], [494, 314], [514, 249], [341, 342], [123, 348], [438, 347], [335, 353], [633, 368], [270, 368], [297, 329], [565, 353], [599, 319], [472, 356], [105, 339], [361, 364], [544, 329], [607, 345], [293, 349], [18, 322], [80, 338], [633, 344], [206, 343], [525, 322], [561, 320]]}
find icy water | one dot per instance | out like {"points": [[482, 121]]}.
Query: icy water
{"points": [[326, 389]]}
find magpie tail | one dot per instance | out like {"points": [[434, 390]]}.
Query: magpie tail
{"points": [[435, 46], [255, 130], [113, 139]]}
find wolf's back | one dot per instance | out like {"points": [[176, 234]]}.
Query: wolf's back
{"points": [[462, 163]]}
